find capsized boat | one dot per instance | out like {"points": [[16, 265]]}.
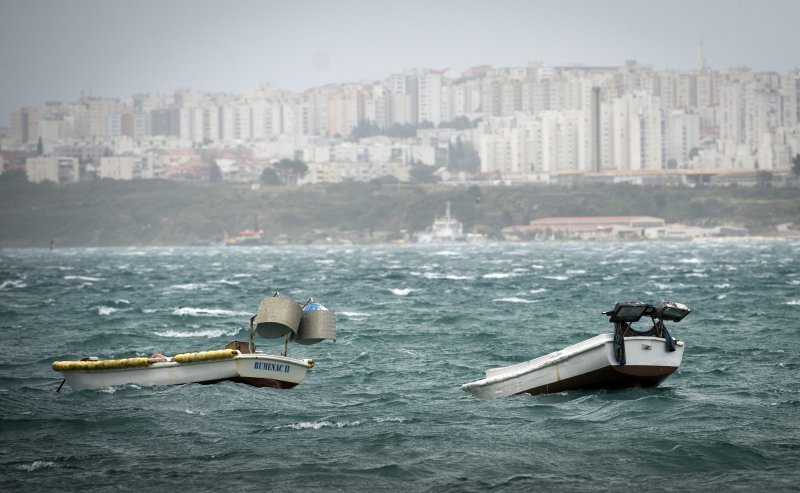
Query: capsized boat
{"points": [[239, 361], [624, 358]]}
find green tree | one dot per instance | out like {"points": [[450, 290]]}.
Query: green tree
{"points": [[214, 173], [270, 177], [464, 157], [291, 170], [459, 123], [764, 179], [422, 173]]}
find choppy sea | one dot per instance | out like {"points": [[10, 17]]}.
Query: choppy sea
{"points": [[383, 410]]}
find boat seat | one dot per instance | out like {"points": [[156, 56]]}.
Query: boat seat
{"points": [[241, 346]]}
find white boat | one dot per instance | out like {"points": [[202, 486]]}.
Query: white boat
{"points": [[445, 229], [624, 358], [239, 361]]}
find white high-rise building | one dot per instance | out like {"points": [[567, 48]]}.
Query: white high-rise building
{"points": [[429, 97]]}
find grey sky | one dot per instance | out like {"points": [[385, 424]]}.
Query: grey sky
{"points": [[54, 50]]}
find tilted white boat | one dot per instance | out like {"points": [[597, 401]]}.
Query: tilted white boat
{"points": [[624, 358], [239, 362]]}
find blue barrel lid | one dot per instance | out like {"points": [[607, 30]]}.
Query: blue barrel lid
{"points": [[313, 307]]}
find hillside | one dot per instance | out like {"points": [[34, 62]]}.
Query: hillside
{"points": [[154, 212]]}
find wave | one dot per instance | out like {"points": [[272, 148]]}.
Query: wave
{"points": [[316, 425], [84, 278], [449, 277], [37, 464], [105, 310], [514, 299], [192, 286], [18, 284], [353, 314], [403, 291], [205, 312], [225, 281], [446, 253], [208, 333], [793, 302], [498, 275]]}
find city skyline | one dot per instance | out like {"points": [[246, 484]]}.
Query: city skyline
{"points": [[51, 53]]}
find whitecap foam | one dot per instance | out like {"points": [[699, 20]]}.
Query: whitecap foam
{"points": [[225, 281], [353, 314], [722, 296], [403, 291], [105, 310], [453, 277], [327, 261], [446, 253], [208, 333], [722, 286], [192, 286], [205, 312], [513, 299], [576, 271], [37, 464], [84, 278], [557, 278], [793, 302], [316, 425], [693, 260], [149, 310], [389, 420], [17, 284], [497, 275], [538, 290]]}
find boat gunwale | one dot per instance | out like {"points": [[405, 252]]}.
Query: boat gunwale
{"points": [[553, 358], [160, 365]]}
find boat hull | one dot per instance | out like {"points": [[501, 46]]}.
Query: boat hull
{"points": [[259, 370], [589, 364]]}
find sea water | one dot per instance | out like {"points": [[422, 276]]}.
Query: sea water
{"points": [[383, 409]]}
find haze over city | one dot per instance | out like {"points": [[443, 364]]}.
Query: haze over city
{"points": [[63, 50]]}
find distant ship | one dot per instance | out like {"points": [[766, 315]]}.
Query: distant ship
{"points": [[445, 229], [246, 237]]}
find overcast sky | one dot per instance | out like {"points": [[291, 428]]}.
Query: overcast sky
{"points": [[55, 50]]}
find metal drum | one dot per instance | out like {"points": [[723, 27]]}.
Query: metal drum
{"points": [[316, 326], [277, 317]]}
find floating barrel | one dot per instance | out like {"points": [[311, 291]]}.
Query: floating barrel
{"points": [[317, 324], [277, 317]]}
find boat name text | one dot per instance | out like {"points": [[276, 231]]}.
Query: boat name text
{"points": [[258, 365]]}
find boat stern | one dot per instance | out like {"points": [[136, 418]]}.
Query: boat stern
{"points": [[280, 372]]}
